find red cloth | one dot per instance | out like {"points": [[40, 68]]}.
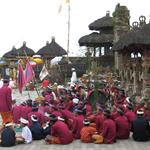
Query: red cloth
{"points": [[122, 127], [109, 131], [16, 113], [59, 129], [131, 116], [67, 114], [77, 125], [45, 83], [88, 109], [5, 98], [99, 119], [25, 110], [57, 113]]}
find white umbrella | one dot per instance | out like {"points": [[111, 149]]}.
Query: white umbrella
{"points": [[56, 60]]}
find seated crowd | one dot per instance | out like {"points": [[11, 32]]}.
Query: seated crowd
{"points": [[61, 116]]}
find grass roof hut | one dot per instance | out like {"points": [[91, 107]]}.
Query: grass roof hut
{"points": [[51, 50], [24, 51], [103, 39]]}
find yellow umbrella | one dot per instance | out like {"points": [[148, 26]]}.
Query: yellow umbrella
{"points": [[38, 60]]}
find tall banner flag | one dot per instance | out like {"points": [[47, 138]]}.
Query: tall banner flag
{"points": [[61, 5], [43, 73], [29, 73], [20, 78]]}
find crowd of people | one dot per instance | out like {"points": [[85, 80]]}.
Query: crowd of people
{"points": [[64, 114]]}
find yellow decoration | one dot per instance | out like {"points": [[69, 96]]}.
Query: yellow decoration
{"points": [[38, 60]]}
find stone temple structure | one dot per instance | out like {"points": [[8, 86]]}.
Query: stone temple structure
{"points": [[134, 66]]}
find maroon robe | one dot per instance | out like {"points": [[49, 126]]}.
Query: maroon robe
{"points": [[16, 113], [131, 116], [57, 113], [77, 126], [122, 127], [59, 129], [25, 111], [99, 119], [88, 109], [109, 131], [67, 114], [5, 98]]}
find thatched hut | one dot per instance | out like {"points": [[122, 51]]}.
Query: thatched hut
{"points": [[51, 50], [99, 43], [24, 51]]}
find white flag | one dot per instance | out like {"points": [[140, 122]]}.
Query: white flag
{"points": [[43, 73]]}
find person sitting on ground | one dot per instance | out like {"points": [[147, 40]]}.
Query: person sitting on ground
{"points": [[140, 127], [36, 129], [122, 125], [26, 135], [87, 132], [60, 133], [109, 128], [8, 135]]}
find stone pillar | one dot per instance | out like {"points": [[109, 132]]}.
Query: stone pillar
{"points": [[121, 25]]}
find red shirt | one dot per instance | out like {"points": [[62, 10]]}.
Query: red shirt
{"points": [[109, 131], [99, 119], [77, 125], [5, 98], [16, 114], [25, 110], [122, 127], [59, 129]]}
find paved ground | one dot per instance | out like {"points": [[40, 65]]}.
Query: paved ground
{"points": [[77, 145]]}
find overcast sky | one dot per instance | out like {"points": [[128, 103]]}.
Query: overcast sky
{"points": [[36, 21]]}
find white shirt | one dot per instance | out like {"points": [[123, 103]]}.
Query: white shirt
{"points": [[26, 134], [1, 83]]}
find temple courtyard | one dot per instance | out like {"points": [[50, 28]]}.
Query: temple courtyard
{"points": [[77, 145]]}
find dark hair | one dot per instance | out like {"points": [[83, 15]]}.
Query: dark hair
{"points": [[5, 81]]}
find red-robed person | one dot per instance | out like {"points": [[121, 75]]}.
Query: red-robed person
{"points": [[122, 125], [99, 119], [6, 102], [60, 133], [77, 123], [130, 114], [109, 128]]}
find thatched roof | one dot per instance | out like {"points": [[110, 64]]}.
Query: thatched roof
{"points": [[10, 54], [96, 40], [24, 50], [140, 37], [104, 22], [52, 50]]}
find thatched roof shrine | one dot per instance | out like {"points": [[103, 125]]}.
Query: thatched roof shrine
{"points": [[102, 23], [139, 38], [24, 50], [96, 40], [51, 50], [10, 54]]}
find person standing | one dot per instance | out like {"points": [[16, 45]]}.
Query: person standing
{"points": [[6, 102]]}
